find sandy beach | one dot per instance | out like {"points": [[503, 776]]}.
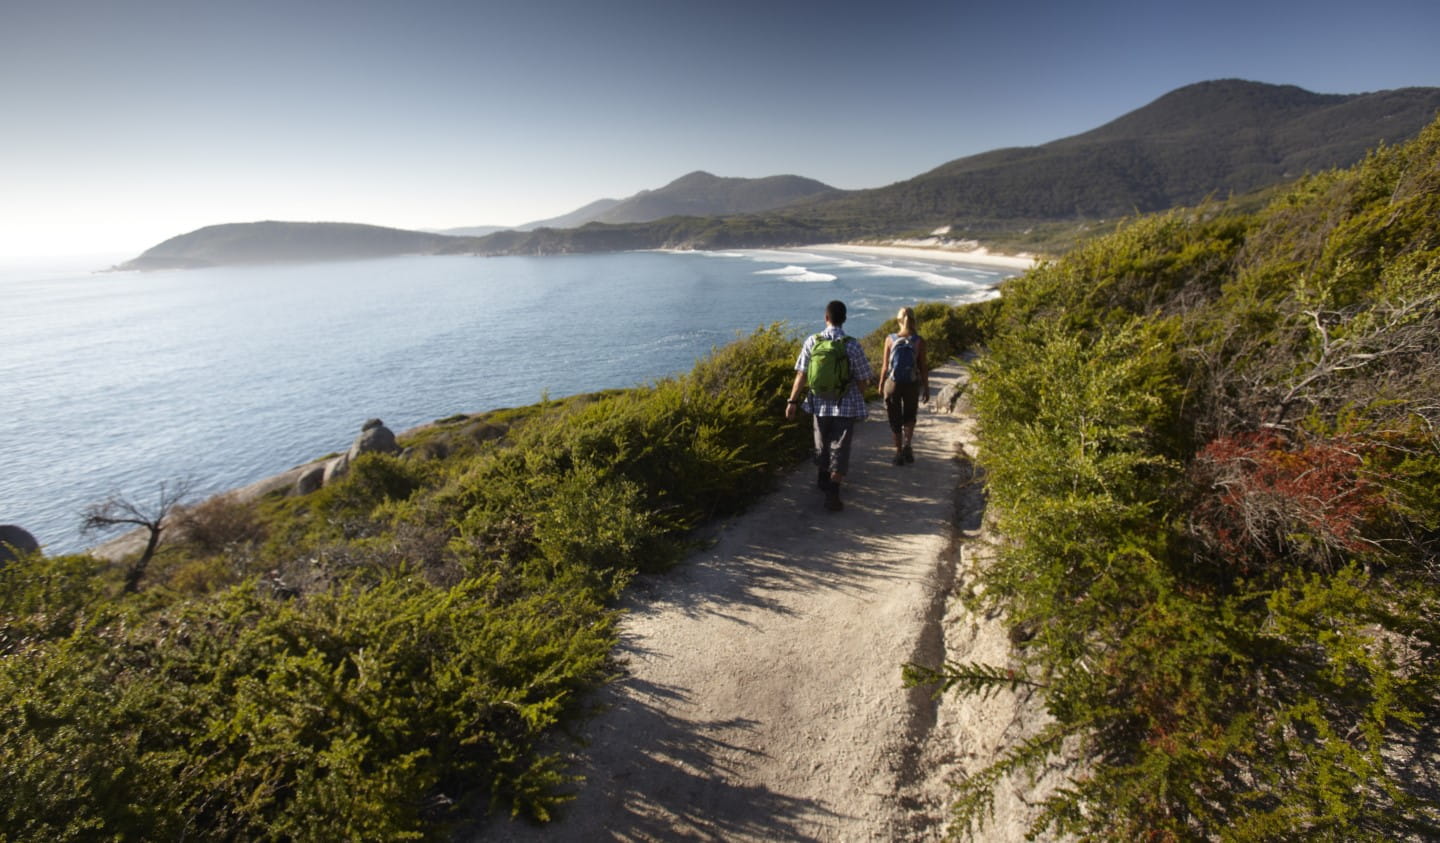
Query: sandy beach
{"points": [[975, 255]]}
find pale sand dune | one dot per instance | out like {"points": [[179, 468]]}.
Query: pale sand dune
{"points": [[977, 255]]}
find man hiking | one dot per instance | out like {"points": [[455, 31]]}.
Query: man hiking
{"points": [[830, 375]]}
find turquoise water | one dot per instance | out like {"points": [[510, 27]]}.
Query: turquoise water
{"points": [[115, 382]]}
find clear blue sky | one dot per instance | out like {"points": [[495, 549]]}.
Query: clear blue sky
{"points": [[124, 122]]}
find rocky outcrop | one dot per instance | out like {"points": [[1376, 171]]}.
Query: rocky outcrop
{"points": [[374, 437], [15, 542], [948, 397], [947, 400], [335, 469], [311, 480]]}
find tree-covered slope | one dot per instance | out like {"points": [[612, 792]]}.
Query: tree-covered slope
{"points": [[697, 194], [700, 194], [1209, 139], [1212, 450]]}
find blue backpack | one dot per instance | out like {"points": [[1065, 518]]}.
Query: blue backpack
{"points": [[902, 358]]}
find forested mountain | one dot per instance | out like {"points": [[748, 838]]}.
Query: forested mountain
{"points": [[700, 194], [1212, 139], [697, 194]]}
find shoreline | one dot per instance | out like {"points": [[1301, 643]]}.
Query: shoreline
{"points": [[976, 255]]}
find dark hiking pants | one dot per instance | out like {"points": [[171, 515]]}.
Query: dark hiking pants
{"points": [[833, 435]]}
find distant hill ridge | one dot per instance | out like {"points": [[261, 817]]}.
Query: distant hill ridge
{"points": [[697, 194], [1211, 139], [700, 194], [280, 242]]}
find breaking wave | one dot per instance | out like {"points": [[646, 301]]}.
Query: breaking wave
{"points": [[798, 274]]}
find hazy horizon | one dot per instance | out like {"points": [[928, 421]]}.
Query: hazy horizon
{"points": [[131, 123]]}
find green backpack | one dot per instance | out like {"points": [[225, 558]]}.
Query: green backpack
{"points": [[829, 369]]}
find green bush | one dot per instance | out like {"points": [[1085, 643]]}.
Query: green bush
{"points": [[350, 715], [1210, 448], [44, 599]]}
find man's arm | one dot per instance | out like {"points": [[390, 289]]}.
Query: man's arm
{"points": [[797, 393]]}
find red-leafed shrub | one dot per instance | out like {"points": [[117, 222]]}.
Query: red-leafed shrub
{"points": [[1269, 499]]}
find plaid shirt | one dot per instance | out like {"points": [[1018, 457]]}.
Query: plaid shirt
{"points": [[851, 402]]}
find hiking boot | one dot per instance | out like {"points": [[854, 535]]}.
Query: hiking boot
{"points": [[908, 454], [832, 499], [900, 459]]}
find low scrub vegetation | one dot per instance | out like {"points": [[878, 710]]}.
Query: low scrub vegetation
{"points": [[363, 662], [1212, 453]]}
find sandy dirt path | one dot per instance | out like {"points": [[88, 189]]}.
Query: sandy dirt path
{"points": [[763, 699]]}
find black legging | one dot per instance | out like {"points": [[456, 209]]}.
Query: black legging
{"points": [[902, 402]]}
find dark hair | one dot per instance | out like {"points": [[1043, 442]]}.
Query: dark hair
{"points": [[835, 313]]}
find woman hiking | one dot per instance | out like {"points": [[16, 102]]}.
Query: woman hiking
{"points": [[904, 382]]}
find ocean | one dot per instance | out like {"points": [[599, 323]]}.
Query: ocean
{"points": [[112, 383]]}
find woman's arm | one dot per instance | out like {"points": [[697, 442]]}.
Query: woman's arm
{"points": [[924, 370]]}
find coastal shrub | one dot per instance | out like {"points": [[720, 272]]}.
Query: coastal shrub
{"points": [[620, 479], [586, 526], [1211, 451], [969, 326], [350, 509], [1069, 428], [1275, 502], [372, 480], [218, 523], [47, 598], [949, 331], [597, 522], [698, 445], [694, 453], [212, 545], [355, 714], [757, 368], [1160, 265]]}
